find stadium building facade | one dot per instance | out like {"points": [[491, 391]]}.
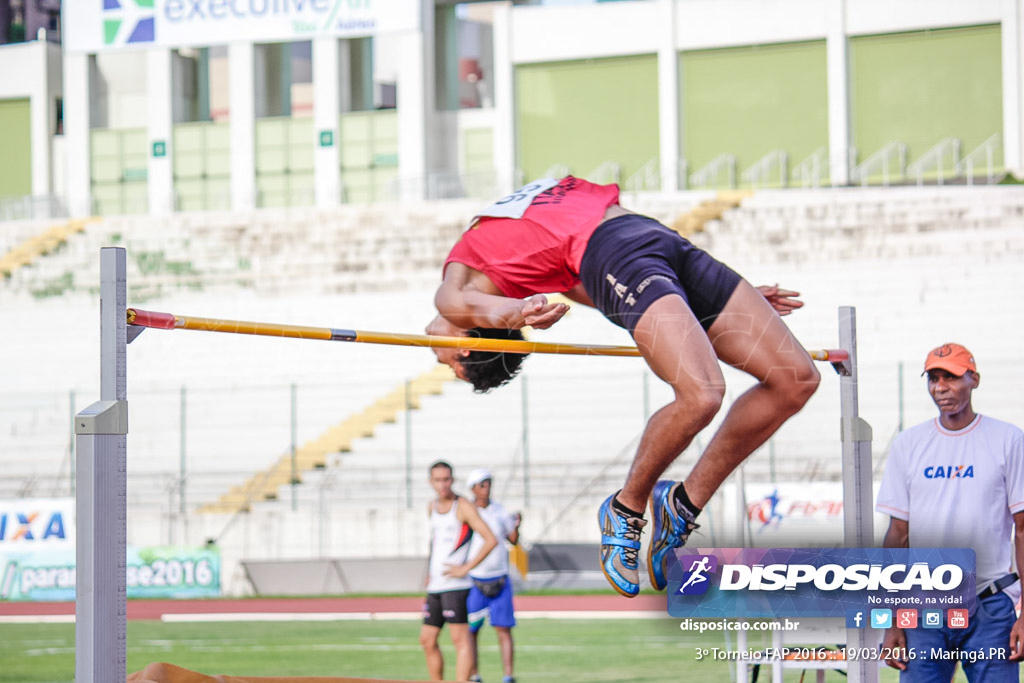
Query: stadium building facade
{"points": [[158, 107]]}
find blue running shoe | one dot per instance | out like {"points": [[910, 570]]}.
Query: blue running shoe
{"points": [[620, 545], [671, 529]]}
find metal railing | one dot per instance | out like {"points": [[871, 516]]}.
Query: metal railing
{"points": [[759, 174], [890, 162], [811, 171], [709, 174], [607, 173], [646, 178], [988, 155], [443, 185], [936, 159], [32, 207]]}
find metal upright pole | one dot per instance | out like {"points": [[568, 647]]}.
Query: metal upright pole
{"points": [[101, 495], [857, 494], [526, 444], [408, 444], [182, 468], [294, 452], [72, 438]]}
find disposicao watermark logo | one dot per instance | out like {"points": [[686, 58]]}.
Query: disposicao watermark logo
{"points": [[127, 22], [817, 582], [697, 580]]}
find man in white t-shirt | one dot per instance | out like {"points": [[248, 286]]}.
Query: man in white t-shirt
{"points": [[491, 592], [958, 482]]}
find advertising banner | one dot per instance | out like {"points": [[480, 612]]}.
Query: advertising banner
{"points": [[92, 26], [36, 523], [818, 582], [151, 572]]}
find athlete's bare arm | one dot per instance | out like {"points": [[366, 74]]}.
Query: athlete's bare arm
{"points": [[467, 298], [467, 513]]}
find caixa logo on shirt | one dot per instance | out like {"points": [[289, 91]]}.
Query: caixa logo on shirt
{"points": [[949, 472]]}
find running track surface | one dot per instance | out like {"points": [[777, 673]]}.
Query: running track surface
{"points": [[155, 609]]}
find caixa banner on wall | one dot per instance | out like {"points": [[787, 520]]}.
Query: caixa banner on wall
{"points": [[36, 523], [100, 25], [151, 572], [817, 582]]}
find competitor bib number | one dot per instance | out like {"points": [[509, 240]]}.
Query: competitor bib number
{"points": [[515, 205]]}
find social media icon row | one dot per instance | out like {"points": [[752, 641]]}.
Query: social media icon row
{"points": [[906, 618]]}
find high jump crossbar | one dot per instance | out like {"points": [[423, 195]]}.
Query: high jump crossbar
{"points": [[101, 476], [167, 321]]}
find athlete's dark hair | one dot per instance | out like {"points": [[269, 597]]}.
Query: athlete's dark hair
{"points": [[441, 464], [486, 370]]}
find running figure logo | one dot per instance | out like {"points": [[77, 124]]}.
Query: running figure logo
{"points": [[766, 511], [697, 581]]}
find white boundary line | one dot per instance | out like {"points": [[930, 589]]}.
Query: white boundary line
{"points": [[215, 617]]}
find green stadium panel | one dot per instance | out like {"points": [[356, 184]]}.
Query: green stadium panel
{"points": [[271, 160], [218, 163], [16, 150], [135, 197], [202, 162], [218, 194], [189, 152], [584, 113], [478, 150], [300, 157], [357, 186], [119, 165], [357, 154], [191, 195], [272, 190], [188, 137], [135, 141], [385, 132], [355, 126], [752, 100], [368, 154], [918, 88], [107, 198], [106, 169], [271, 132], [188, 164], [301, 190], [217, 135], [301, 147]]}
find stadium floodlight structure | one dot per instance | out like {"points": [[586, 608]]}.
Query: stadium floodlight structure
{"points": [[101, 440]]}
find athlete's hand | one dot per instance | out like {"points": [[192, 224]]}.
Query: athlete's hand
{"points": [[781, 299], [457, 570], [540, 314], [1017, 640], [895, 642]]}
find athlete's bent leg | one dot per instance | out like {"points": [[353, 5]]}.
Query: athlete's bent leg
{"points": [[678, 351], [749, 335]]}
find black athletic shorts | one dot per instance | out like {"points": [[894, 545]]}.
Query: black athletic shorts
{"points": [[447, 607], [632, 261]]}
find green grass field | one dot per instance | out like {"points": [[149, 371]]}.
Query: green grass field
{"points": [[566, 651]]}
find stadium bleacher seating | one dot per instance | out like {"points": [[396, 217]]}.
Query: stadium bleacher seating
{"points": [[921, 266]]}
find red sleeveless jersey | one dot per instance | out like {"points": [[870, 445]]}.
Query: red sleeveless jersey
{"points": [[539, 253]]}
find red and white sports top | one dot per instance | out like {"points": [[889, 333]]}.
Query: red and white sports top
{"points": [[539, 253]]}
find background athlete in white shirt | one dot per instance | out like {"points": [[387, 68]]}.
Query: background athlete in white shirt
{"points": [[454, 521], [490, 596]]}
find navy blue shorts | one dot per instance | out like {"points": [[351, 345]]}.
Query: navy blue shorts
{"points": [[632, 261]]}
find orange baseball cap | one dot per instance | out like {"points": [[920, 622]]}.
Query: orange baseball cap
{"points": [[952, 358]]}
